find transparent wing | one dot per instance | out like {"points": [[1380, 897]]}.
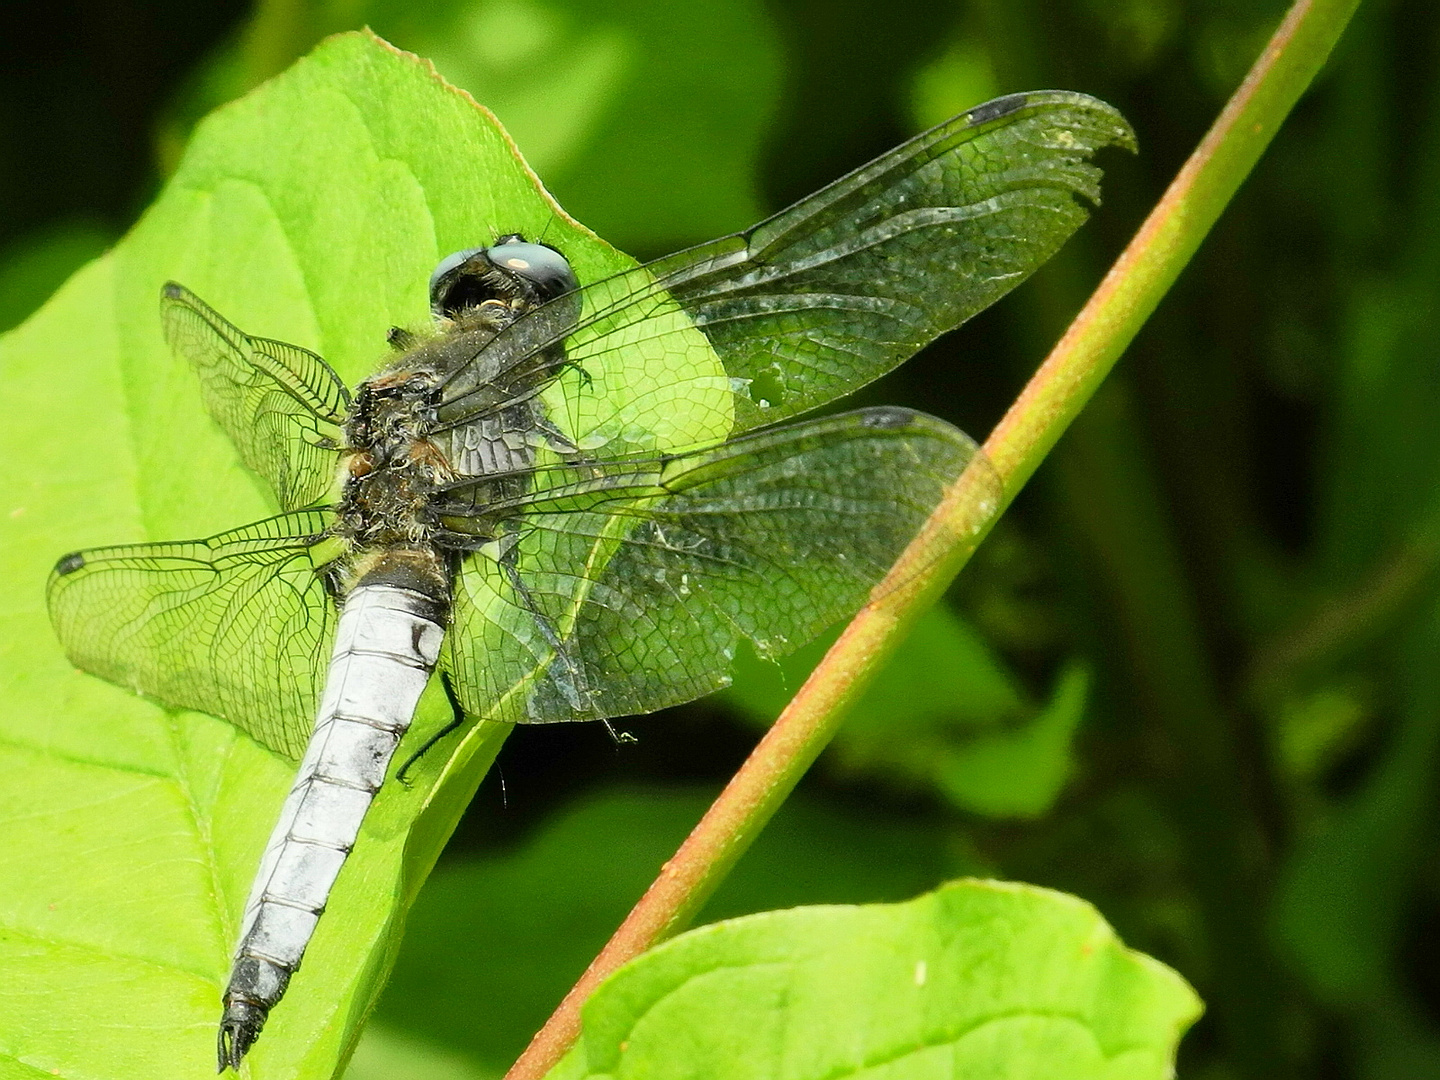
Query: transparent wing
{"points": [[629, 583], [847, 283], [280, 404], [238, 626]]}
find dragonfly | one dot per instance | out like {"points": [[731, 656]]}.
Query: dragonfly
{"points": [[475, 512]]}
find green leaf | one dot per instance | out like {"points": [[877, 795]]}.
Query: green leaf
{"points": [[312, 211], [944, 714], [976, 979], [1020, 772]]}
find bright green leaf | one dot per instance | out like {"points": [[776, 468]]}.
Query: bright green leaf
{"points": [[978, 979]]}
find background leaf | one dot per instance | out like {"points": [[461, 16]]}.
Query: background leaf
{"points": [[944, 715], [646, 117]]}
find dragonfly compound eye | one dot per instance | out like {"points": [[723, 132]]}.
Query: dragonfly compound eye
{"points": [[511, 269], [546, 270], [445, 282]]}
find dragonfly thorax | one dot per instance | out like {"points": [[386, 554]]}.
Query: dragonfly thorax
{"points": [[397, 454], [391, 467]]}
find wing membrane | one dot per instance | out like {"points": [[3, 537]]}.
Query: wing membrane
{"points": [[238, 626], [838, 289], [650, 571], [280, 404]]}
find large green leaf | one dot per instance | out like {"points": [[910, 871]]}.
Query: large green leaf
{"points": [[978, 979], [312, 211]]}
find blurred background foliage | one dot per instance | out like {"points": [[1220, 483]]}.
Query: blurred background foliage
{"points": [[1193, 677]]}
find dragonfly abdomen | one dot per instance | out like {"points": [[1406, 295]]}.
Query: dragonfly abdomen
{"points": [[386, 646]]}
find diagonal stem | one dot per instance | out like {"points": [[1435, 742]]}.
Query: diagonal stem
{"points": [[1058, 391]]}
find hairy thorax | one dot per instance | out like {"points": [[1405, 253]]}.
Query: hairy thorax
{"points": [[398, 459]]}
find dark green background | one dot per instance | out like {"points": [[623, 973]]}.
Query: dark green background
{"points": [[1239, 539]]}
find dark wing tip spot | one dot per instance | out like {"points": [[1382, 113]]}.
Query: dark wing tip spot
{"points": [[1001, 106], [172, 290], [70, 563], [888, 417]]}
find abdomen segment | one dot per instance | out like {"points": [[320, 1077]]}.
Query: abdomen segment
{"points": [[386, 646]]}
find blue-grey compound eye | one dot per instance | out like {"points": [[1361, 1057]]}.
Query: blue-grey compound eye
{"points": [[542, 266], [439, 280]]}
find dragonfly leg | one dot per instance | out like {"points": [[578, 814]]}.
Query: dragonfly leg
{"points": [[619, 738], [457, 717], [400, 339], [558, 441], [585, 380]]}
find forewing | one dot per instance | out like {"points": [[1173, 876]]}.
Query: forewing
{"points": [[280, 404], [844, 285], [649, 572], [855, 279], [238, 626]]}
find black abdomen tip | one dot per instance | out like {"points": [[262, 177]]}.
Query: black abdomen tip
{"points": [[239, 1028]]}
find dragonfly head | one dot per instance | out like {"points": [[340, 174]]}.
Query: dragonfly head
{"points": [[512, 270]]}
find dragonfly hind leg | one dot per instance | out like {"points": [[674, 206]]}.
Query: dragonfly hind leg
{"points": [[457, 718], [586, 380], [620, 738]]}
